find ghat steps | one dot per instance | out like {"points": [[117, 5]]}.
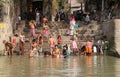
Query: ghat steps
{"points": [[84, 32]]}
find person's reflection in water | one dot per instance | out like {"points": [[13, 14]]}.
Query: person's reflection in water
{"points": [[74, 68], [11, 59], [58, 63], [95, 60], [101, 60], [89, 61], [50, 63], [31, 67], [89, 66]]}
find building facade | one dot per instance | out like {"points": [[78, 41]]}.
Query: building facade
{"points": [[7, 17], [76, 5]]}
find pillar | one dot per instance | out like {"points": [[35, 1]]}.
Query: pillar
{"points": [[117, 35]]}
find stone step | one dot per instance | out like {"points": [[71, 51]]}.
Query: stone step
{"points": [[60, 28]]}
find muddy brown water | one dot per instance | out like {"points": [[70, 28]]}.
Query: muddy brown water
{"points": [[73, 66]]}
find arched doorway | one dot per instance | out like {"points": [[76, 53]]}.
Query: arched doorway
{"points": [[38, 5]]}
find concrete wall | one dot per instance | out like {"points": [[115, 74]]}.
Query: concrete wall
{"points": [[117, 35], [111, 30], [6, 25], [76, 5], [47, 9]]}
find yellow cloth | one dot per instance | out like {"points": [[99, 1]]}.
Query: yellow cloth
{"points": [[57, 51], [2, 25]]}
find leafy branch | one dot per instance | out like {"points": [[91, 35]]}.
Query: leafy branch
{"points": [[1, 3]]}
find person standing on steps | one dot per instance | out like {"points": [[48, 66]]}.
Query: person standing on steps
{"points": [[37, 18], [87, 19], [72, 24], [32, 25]]}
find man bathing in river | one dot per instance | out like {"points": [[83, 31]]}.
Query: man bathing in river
{"points": [[33, 51], [9, 47], [51, 44]]}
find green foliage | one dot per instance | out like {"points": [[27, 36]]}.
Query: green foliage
{"points": [[1, 3]]}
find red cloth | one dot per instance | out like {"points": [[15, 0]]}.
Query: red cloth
{"points": [[45, 32], [59, 41], [89, 44], [14, 40]]}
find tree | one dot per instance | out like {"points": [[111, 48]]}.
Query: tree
{"points": [[1, 3], [54, 7]]}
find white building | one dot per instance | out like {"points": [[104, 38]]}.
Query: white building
{"points": [[76, 5]]}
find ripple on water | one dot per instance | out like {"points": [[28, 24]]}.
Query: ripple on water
{"points": [[93, 66]]}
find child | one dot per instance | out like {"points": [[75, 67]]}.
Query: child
{"points": [[57, 52]]}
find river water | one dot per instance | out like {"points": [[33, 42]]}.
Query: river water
{"points": [[74, 66]]}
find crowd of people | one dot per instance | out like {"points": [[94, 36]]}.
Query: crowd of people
{"points": [[56, 47]]}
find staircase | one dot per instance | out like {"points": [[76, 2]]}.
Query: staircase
{"points": [[85, 32]]}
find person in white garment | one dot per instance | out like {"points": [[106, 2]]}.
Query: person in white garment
{"points": [[72, 24]]}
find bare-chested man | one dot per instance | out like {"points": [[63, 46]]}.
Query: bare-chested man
{"points": [[51, 44], [32, 25], [9, 47]]}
